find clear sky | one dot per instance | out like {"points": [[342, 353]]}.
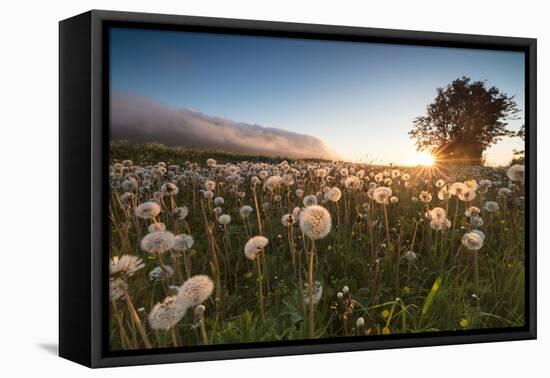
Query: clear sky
{"points": [[359, 98]]}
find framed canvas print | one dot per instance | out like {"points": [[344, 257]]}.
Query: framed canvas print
{"points": [[233, 188]]}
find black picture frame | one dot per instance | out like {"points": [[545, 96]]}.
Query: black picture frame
{"points": [[83, 163]]}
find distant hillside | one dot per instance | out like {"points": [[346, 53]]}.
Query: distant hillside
{"points": [[141, 120], [150, 153]]}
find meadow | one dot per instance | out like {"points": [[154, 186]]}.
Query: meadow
{"points": [[213, 248]]}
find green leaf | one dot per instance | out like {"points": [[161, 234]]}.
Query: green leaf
{"points": [[431, 295]]}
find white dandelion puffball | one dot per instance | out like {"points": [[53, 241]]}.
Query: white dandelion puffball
{"points": [[394, 199], [334, 194], [209, 185], [472, 211], [224, 219], [471, 184], [425, 196], [491, 206], [467, 195], [360, 323], [504, 192], [273, 183], [438, 214], [381, 195], [410, 256], [170, 189], [210, 162], [480, 233], [161, 273], [208, 194], [442, 225], [245, 211], [288, 180], [117, 288], [125, 265], [157, 242], [296, 213], [439, 183], [352, 183], [254, 246], [287, 220], [299, 193], [317, 292], [195, 290], [182, 242], [516, 173], [147, 210], [472, 241], [218, 201], [444, 194], [315, 222], [167, 314], [476, 221], [310, 200], [156, 227], [181, 212], [457, 188]]}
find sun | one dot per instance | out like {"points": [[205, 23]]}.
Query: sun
{"points": [[424, 158]]}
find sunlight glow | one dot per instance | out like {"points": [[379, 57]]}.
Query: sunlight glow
{"points": [[424, 158]]}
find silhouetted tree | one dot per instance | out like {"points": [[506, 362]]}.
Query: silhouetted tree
{"points": [[465, 119]]}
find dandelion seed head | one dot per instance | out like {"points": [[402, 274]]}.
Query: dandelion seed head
{"points": [[516, 173], [254, 246], [218, 201], [125, 265], [147, 210], [245, 211], [167, 314], [182, 242], [382, 195], [317, 292], [157, 242], [224, 219], [156, 227], [310, 200], [117, 288], [491, 206], [196, 290], [287, 220], [472, 241], [161, 273], [315, 222]]}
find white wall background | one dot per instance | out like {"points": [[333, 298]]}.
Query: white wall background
{"points": [[29, 188]]}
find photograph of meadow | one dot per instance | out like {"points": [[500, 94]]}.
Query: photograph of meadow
{"points": [[274, 189]]}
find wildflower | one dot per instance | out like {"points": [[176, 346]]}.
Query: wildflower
{"points": [[394, 199], [410, 256], [476, 221], [273, 183], [472, 241], [156, 227], [117, 288], [310, 200], [471, 184], [472, 211], [182, 242], [208, 195], [209, 185], [157, 242], [317, 292], [438, 214], [167, 314], [161, 273], [125, 265], [516, 173], [442, 225], [195, 290], [224, 219], [147, 210], [218, 201], [315, 222], [439, 183], [245, 211], [504, 192], [287, 180], [444, 194], [181, 212], [169, 189], [467, 195], [333, 194], [287, 220], [210, 162], [491, 206], [425, 196], [457, 188], [254, 246], [130, 184], [299, 193], [352, 183], [382, 194]]}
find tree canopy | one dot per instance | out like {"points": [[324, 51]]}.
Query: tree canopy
{"points": [[465, 118]]}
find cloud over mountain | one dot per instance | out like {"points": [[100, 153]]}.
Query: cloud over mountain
{"points": [[140, 120]]}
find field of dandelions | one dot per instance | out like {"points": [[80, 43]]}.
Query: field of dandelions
{"points": [[213, 248]]}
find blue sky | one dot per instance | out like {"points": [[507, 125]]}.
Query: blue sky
{"points": [[359, 98]]}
